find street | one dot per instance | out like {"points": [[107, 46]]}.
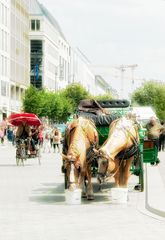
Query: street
{"points": [[32, 206]]}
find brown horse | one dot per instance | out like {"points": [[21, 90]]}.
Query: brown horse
{"points": [[81, 136], [116, 154]]}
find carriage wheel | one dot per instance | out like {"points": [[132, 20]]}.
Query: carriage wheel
{"points": [[140, 185]]}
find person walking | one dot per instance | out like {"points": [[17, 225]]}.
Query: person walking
{"points": [[56, 140], [154, 129], [162, 138], [46, 140], [2, 135]]}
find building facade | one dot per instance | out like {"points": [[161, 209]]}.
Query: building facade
{"points": [[19, 52], [4, 58], [81, 72], [34, 50], [54, 63], [50, 56]]}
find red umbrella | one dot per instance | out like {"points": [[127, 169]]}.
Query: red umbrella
{"points": [[17, 119]]}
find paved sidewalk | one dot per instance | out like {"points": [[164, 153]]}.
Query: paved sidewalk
{"points": [[154, 189], [32, 206]]}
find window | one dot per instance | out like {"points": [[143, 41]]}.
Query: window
{"points": [[37, 24], [3, 88], [33, 25]]}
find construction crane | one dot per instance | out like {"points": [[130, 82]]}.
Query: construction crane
{"points": [[122, 68]]}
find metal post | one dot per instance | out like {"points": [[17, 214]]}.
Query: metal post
{"points": [[122, 82]]}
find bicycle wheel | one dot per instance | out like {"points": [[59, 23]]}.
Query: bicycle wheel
{"points": [[23, 155]]}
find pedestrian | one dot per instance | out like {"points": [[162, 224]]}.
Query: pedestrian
{"points": [[154, 130], [56, 140], [51, 138], [23, 132], [2, 135], [162, 137], [46, 141], [14, 135], [34, 138], [9, 133], [40, 136]]}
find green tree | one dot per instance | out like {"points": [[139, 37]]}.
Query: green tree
{"points": [[152, 93], [33, 100], [67, 109], [43, 103], [75, 93], [106, 96]]}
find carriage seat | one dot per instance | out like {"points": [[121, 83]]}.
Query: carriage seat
{"points": [[100, 120]]}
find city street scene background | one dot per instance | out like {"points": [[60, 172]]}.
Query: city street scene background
{"points": [[53, 54]]}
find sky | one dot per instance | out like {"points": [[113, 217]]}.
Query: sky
{"points": [[116, 32]]}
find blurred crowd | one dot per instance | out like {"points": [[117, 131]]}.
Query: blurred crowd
{"points": [[48, 137]]}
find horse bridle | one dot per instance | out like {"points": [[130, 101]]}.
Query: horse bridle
{"points": [[102, 176]]}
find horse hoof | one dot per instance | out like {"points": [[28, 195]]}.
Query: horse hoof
{"points": [[90, 197], [84, 195], [137, 187]]}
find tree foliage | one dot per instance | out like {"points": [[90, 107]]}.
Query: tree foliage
{"points": [[56, 106], [152, 93], [75, 93], [33, 101], [46, 104], [104, 97]]}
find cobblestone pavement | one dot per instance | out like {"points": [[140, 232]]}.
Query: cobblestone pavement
{"points": [[32, 206]]}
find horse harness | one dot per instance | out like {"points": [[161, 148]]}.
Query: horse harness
{"points": [[131, 151], [123, 155], [90, 152]]}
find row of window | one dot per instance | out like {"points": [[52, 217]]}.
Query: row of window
{"points": [[3, 14], [64, 47], [3, 66], [4, 88], [36, 26], [3, 40]]}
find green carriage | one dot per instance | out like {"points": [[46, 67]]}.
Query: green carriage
{"points": [[147, 150]]}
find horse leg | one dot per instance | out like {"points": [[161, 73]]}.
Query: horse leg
{"points": [[82, 184], [84, 188], [90, 194], [121, 172], [117, 174], [125, 172]]}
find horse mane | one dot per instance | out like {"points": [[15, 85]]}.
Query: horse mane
{"points": [[126, 126], [81, 123]]}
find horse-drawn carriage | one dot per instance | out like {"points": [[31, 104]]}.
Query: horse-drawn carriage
{"points": [[24, 148], [117, 146]]}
